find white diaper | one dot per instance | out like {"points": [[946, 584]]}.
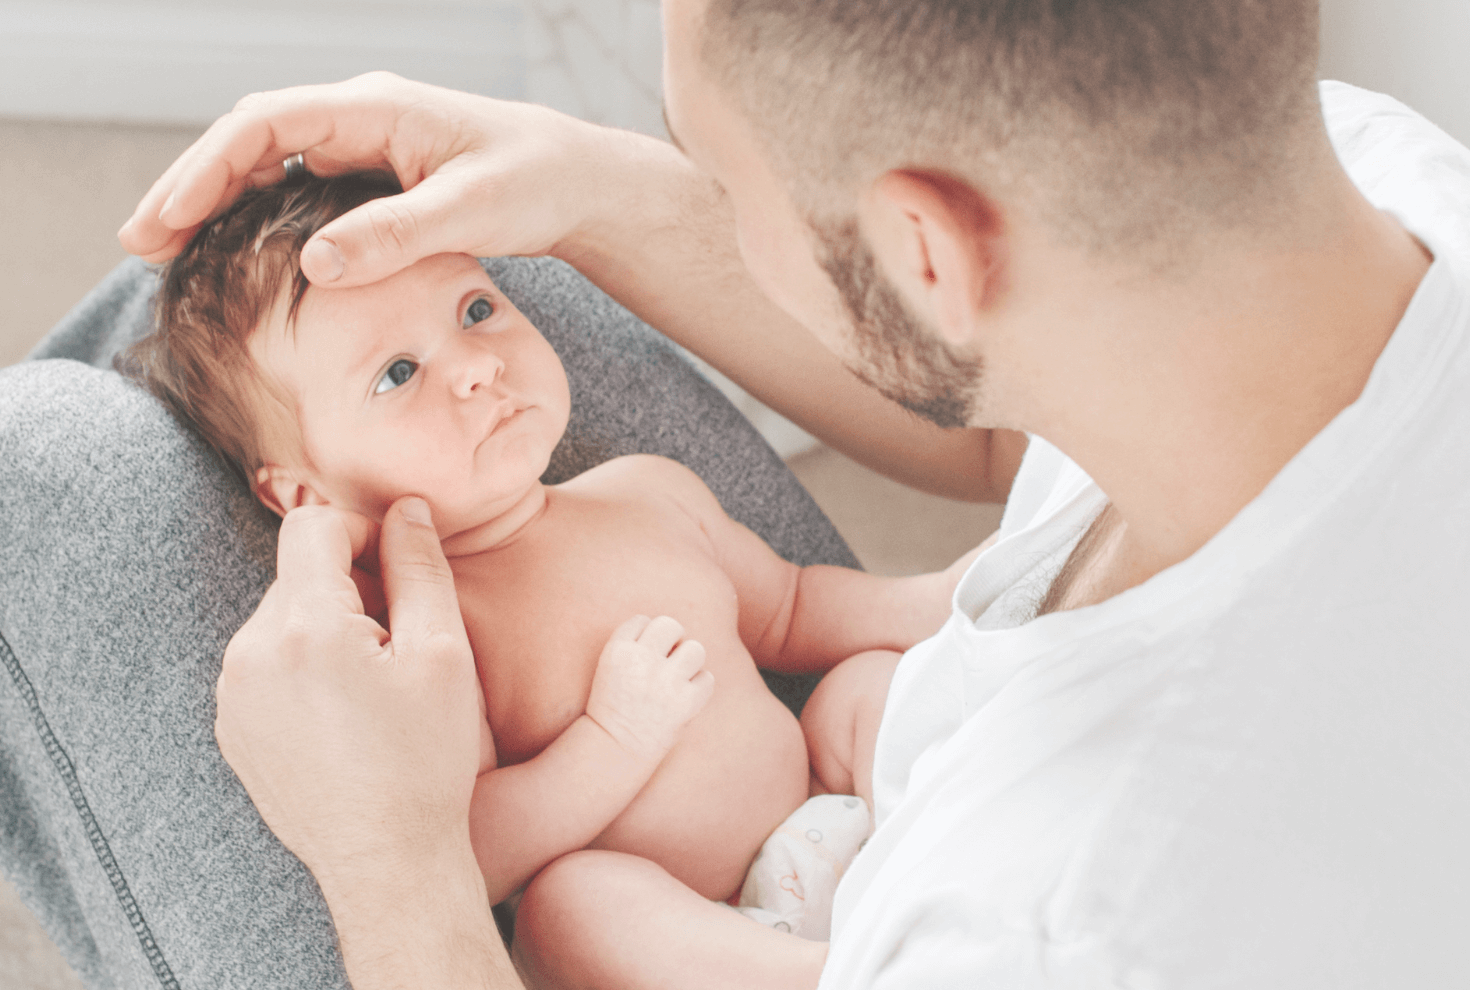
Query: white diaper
{"points": [[791, 884]]}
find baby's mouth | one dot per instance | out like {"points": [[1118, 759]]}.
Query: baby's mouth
{"points": [[503, 415]]}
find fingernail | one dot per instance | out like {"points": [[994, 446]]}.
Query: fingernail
{"points": [[324, 258], [168, 204], [416, 510]]}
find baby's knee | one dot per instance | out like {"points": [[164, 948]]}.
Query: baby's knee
{"points": [[557, 891], [856, 687], [555, 917], [841, 722], [578, 923]]}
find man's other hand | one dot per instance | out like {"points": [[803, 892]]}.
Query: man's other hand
{"points": [[359, 745], [481, 176]]}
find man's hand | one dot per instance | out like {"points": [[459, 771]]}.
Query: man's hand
{"points": [[650, 681], [359, 745], [481, 176]]}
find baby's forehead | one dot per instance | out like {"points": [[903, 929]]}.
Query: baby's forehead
{"points": [[354, 323]]}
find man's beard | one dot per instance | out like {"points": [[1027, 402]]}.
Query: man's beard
{"points": [[897, 354]]}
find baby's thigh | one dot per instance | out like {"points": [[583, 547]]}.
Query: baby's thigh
{"points": [[610, 920], [841, 723]]}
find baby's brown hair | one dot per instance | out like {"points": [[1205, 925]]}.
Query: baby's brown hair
{"points": [[214, 295]]}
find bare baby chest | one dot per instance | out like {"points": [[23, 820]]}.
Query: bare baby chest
{"points": [[540, 611]]}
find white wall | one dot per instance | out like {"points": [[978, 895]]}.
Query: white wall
{"points": [[600, 60], [1415, 50], [188, 61]]}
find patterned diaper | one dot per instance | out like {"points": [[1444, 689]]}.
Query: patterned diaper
{"points": [[791, 884]]}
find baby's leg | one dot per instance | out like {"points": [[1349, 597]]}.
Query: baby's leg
{"points": [[841, 723], [610, 920]]}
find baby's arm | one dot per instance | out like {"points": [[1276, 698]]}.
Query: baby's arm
{"points": [[811, 619], [649, 683]]}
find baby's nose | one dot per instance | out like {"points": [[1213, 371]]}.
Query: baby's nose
{"points": [[477, 371]]}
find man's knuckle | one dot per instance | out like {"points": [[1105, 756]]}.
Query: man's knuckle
{"points": [[298, 635], [394, 228], [256, 104], [380, 79], [441, 648]]}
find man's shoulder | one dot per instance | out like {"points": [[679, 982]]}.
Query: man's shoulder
{"points": [[1404, 164]]}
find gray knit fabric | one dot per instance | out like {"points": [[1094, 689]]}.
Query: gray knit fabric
{"points": [[131, 556]]}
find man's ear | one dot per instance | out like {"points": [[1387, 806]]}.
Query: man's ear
{"points": [[942, 243], [280, 490]]}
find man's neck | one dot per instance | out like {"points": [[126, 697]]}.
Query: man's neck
{"points": [[1183, 401]]}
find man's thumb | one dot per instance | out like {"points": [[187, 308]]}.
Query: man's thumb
{"points": [[383, 236], [417, 582]]}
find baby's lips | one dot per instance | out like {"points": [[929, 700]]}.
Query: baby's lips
{"points": [[502, 413]]}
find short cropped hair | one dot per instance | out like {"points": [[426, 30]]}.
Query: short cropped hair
{"points": [[1126, 121], [217, 293]]}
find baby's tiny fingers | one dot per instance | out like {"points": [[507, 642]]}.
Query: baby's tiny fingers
{"points": [[630, 630], [704, 689], [661, 635], [689, 658]]}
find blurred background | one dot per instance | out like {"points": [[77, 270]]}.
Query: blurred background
{"points": [[97, 98]]}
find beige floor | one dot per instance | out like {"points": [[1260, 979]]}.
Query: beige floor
{"points": [[64, 191]]}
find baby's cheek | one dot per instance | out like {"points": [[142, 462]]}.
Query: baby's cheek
{"points": [[371, 491]]}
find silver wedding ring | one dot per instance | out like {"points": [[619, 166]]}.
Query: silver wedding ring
{"points": [[296, 168]]}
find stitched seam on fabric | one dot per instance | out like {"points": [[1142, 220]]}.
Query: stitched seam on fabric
{"points": [[62, 762]]}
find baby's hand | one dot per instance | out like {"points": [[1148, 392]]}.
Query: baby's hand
{"points": [[649, 683]]}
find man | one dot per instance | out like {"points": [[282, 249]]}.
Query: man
{"points": [[1198, 716]]}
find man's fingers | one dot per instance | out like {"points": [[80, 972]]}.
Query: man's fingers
{"points": [[144, 234], [370, 590], [422, 605], [386, 235], [333, 124], [315, 553]]}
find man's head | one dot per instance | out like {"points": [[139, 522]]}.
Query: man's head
{"points": [[429, 382], [1132, 130]]}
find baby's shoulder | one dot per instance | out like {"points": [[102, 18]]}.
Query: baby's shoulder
{"points": [[648, 476]]}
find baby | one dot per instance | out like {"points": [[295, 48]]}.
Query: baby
{"points": [[604, 728]]}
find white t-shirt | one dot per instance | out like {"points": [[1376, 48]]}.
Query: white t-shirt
{"points": [[1251, 771]]}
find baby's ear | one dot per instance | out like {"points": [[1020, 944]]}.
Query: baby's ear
{"points": [[280, 490]]}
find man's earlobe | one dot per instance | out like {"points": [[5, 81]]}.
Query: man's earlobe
{"points": [[280, 491], [942, 242]]}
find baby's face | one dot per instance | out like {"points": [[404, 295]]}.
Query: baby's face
{"points": [[427, 383]]}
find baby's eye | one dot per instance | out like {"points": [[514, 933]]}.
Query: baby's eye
{"points": [[398, 372], [477, 312]]}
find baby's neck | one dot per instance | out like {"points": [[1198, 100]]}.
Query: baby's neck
{"points": [[502, 530]]}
